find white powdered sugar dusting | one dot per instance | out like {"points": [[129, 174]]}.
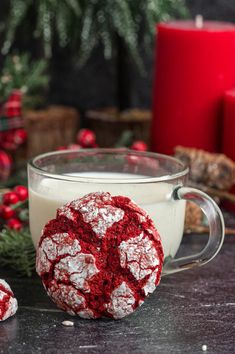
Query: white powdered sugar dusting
{"points": [[77, 269], [5, 285], [139, 255], [142, 218], [2, 294], [60, 244], [100, 218], [121, 301], [12, 308], [86, 313], [66, 296], [42, 263], [11, 302], [150, 285], [65, 211], [66, 244]]}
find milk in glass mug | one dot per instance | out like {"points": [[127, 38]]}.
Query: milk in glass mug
{"points": [[155, 182]]}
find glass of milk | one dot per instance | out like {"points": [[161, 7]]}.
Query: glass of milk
{"points": [[155, 182]]}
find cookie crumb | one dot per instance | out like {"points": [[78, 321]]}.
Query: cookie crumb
{"points": [[68, 323]]}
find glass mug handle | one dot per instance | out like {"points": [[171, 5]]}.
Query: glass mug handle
{"points": [[216, 230]]}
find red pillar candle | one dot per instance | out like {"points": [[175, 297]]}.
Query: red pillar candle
{"points": [[228, 136], [194, 66]]}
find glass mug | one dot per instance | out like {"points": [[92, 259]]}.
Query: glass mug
{"points": [[155, 182]]}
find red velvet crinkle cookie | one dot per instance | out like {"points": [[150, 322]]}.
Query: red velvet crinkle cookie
{"points": [[8, 303], [101, 256]]}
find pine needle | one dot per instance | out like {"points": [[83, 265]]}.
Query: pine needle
{"points": [[17, 251]]}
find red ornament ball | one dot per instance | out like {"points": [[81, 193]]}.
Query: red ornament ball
{"points": [[10, 198], [101, 256], [8, 303], [22, 192], [15, 224], [86, 138], [139, 145]]}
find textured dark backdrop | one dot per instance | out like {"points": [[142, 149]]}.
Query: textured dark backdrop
{"points": [[96, 84]]}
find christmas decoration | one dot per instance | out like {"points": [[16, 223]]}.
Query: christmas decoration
{"points": [[182, 56], [82, 25], [17, 251], [212, 173], [5, 165], [15, 224], [10, 198], [212, 170], [14, 208], [6, 212], [21, 192], [8, 303], [26, 76], [101, 256], [21, 81], [11, 135], [86, 138], [71, 147], [139, 145], [18, 178], [194, 217]]}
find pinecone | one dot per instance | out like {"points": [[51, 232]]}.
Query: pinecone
{"points": [[193, 217], [212, 170]]}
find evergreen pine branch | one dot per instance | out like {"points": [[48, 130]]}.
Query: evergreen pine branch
{"points": [[81, 25], [18, 178], [19, 72], [88, 34], [17, 251], [17, 15]]}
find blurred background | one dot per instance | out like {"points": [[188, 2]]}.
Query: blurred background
{"points": [[97, 82]]}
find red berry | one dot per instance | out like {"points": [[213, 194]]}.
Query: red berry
{"points": [[14, 224], [61, 148], [86, 138], [74, 147], [22, 192], [7, 142], [5, 165], [10, 198], [139, 145], [19, 136], [6, 212]]}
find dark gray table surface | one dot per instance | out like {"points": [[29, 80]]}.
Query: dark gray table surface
{"points": [[188, 310]]}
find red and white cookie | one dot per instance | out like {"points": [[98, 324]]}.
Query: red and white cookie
{"points": [[8, 303], [101, 256]]}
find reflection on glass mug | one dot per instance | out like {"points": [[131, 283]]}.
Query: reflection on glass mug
{"points": [[155, 182]]}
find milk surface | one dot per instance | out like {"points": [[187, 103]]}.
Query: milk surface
{"points": [[156, 198]]}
